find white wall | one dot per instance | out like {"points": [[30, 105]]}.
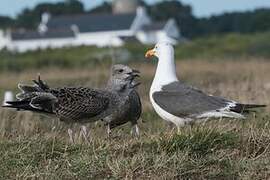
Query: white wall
{"points": [[100, 39], [140, 20], [153, 37], [31, 45], [110, 38], [172, 29], [149, 37], [3, 40], [170, 33]]}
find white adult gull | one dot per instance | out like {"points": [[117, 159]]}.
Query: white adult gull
{"points": [[179, 103]]}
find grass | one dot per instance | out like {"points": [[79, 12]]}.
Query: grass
{"points": [[37, 147], [197, 154]]}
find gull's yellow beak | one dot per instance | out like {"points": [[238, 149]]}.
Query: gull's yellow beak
{"points": [[150, 53]]}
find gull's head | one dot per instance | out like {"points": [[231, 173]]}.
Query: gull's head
{"points": [[160, 49], [123, 75]]}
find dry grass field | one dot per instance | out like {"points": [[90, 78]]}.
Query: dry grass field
{"points": [[37, 147]]}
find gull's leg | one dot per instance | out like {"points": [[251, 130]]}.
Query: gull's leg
{"points": [[178, 129], [70, 134], [109, 131], [85, 134], [135, 130]]}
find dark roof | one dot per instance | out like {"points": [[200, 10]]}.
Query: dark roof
{"points": [[154, 26], [94, 22], [129, 38], [28, 35]]}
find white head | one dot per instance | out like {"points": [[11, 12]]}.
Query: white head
{"points": [[165, 72], [160, 49]]}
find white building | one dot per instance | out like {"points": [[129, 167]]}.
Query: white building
{"points": [[3, 39], [159, 32], [92, 29]]}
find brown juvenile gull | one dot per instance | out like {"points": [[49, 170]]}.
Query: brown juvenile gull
{"points": [[72, 104], [179, 103], [131, 109]]}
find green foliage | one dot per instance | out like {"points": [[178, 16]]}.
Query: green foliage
{"points": [[62, 58], [30, 18], [245, 22], [191, 27], [105, 7], [164, 10], [6, 22], [226, 46]]}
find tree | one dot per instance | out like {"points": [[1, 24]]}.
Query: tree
{"points": [[6, 22], [105, 7], [175, 9], [245, 22], [30, 18]]}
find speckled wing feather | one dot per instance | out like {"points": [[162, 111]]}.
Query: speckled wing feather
{"points": [[77, 104]]}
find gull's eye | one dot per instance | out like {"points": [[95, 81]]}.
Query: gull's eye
{"points": [[120, 70]]}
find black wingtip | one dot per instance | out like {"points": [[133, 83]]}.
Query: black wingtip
{"points": [[247, 108], [251, 106]]}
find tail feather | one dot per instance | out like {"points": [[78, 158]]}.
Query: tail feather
{"points": [[41, 84], [25, 106], [34, 98], [28, 88], [26, 95]]}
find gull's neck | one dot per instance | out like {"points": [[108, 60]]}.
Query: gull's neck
{"points": [[165, 72]]}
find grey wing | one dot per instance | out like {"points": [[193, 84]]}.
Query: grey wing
{"points": [[185, 101], [78, 104], [129, 111], [135, 105]]}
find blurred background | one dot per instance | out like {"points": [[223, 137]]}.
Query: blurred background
{"points": [[221, 47]]}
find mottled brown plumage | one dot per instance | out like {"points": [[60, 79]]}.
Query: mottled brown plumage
{"points": [[79, 104]]}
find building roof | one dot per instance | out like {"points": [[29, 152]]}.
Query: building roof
{"points": [[154, 26], [28, 35], [93, 22], [129, 38]]}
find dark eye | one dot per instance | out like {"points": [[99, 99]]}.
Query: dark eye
{"points": [[120, 70]]}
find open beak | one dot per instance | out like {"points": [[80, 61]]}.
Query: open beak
{"points": [[136, 73], [150, 53], [133, 75]]}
